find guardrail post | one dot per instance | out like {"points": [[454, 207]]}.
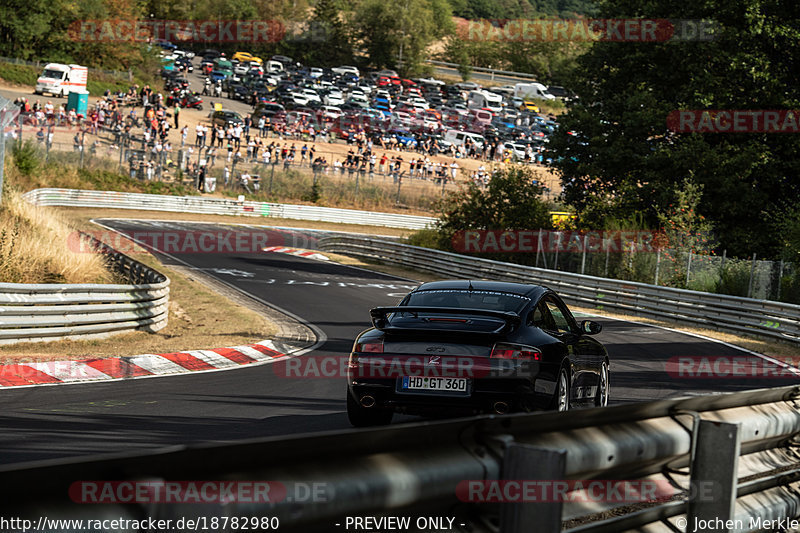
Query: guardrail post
{"points": [[523, 462], [541, 247], [558, 246], [658, 265], [714, 472], [583, 256]]}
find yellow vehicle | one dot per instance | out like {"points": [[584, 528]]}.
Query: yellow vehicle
{"points": [[244, 57], [529, 106]]}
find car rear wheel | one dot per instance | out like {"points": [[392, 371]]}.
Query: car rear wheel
{"points": [[366, 416], [601, 399], [561, 398]]}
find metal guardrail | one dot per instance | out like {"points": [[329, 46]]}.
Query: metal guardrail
{"points": [[37, 312], [492, 72], [738, 448], [220, 206], [773, 320]]}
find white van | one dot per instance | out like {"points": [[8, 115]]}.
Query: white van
{"points": [[458, 138], [60, 80], [532, 90], [273, 67], [479, 99]]}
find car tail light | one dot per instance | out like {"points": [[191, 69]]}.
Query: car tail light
{"points": [[516, 351], [369, 347]]}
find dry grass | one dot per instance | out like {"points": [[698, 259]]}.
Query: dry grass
{"points": [[38, 245], [199, 318]]}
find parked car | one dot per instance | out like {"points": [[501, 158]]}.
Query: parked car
{"points": [[224, 117]]}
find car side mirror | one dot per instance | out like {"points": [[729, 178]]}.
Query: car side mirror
{"points": [[591, 328]]}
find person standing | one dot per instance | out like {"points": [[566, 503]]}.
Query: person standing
{"points": [[201, 178], [248, 121], [175, 114], [382, 165]]}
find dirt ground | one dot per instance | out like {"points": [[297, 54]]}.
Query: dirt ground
{"points": [[63, 138]]}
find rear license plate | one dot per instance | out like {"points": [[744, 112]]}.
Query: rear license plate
{"points": [[455, 385]]}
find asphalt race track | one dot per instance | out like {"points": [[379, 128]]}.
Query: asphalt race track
{"points": [[70, 420]]}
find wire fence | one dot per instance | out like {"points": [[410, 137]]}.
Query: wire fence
{"points": [[278, 180], [286, 167], [680, 268]]}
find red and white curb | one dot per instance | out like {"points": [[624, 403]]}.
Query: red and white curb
{"points": [[309, 254], [140, 366]]}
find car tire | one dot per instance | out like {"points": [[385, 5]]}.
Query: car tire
{"points": [[199, 108], [362, 417], [563, 386], [601, 398]]}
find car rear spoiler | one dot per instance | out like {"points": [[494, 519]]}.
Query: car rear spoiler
{"points": [[380, 321]]}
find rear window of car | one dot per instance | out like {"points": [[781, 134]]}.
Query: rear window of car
{"points": [[465, 299]]}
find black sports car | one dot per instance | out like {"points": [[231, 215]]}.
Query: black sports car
{"points": [[469, 347]]}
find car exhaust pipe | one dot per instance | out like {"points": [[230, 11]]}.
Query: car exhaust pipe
{"points": [[500, 408], [367, 401]]}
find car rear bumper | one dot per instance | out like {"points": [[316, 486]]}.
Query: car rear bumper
{"points": [[484, 396]]}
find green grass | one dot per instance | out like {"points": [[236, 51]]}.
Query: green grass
{"points": [[20, 74], [61, 172]]}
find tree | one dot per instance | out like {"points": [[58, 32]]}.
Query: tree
{"points": [[512, 200], [614, 147], [397, 34], [25, 26], [328, 41]]}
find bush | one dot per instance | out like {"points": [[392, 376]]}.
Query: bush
{"points": [[313, 195], [26, 157], [790, 288], [734, 278], [425, 238], [512, 200]]}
